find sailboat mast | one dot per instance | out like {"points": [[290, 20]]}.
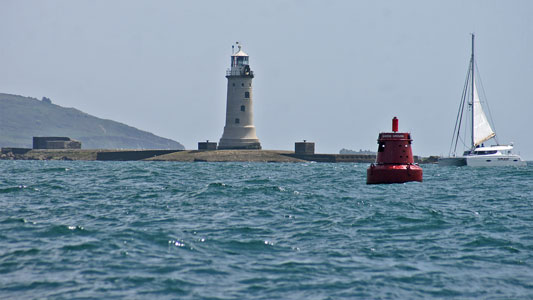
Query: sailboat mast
{"points": [[472, 68]]}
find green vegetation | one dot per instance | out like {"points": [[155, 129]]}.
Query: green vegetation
{"points": [[22, 118]]}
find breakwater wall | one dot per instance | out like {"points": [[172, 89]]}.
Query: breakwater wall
{"points": [[13, 150], [334, 158], [189, 155], [125, 155]]}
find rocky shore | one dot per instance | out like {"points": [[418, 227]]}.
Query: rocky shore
{"points": [[70, 154]]}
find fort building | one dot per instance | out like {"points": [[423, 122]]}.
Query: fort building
{"points": [[207, 145], [304, 147], [55, 142]]}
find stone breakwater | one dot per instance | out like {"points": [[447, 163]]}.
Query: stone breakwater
{"points": [[191, 156]]}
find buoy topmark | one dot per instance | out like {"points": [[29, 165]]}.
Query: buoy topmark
{"points": [[394, 162]]}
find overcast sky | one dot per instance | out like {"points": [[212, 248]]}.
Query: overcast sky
{"points": [[332, 72]]}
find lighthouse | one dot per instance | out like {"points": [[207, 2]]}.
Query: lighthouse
{"points": [[239, 131]]}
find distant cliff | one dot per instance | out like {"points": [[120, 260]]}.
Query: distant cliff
{"points": [[21, 118]]}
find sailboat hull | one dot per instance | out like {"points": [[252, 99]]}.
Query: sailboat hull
{"points": [[494, 161]]}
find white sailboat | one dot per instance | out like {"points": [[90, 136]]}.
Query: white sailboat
{"points": [[477, 154]]}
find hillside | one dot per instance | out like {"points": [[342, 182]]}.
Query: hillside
{"points": [[21, 118]]}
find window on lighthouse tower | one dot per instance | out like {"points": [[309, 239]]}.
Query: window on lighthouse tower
{"points": [[246, 94], [243, 108]]}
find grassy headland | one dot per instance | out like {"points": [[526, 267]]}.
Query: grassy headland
{"points": [[22, 118]]}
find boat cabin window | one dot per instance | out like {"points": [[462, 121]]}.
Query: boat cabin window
{"points": [[485, 152], [381, 147]]}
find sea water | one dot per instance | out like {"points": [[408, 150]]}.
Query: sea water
{"points": [[165, 230]]}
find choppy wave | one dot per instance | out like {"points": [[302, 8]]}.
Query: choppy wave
{"points": [[165, 230]]}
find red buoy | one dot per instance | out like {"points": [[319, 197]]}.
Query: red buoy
{"points": [[394, 163]]}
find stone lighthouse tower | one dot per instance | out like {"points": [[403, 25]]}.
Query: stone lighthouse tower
{"points": [[239, 132]]}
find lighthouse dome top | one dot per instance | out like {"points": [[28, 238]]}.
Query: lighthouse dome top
{"points": [[239, 51]]}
